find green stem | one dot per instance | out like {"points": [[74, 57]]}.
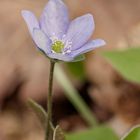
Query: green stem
{"points": [[49, 99]]}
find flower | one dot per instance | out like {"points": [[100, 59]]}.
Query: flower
{"points": [[57, 36]]}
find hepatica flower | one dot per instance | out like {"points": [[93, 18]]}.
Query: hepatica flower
{"points": [[57, 36]]}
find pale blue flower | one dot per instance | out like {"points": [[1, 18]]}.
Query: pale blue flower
{"points": [[57, 36]]}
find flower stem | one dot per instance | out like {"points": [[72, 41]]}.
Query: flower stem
{"points": [[49, 99]]}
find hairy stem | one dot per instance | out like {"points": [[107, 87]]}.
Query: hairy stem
{"points": [[49, 99]]}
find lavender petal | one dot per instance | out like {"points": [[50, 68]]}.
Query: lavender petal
{"points": [[55, 19], [61, 57], [89, 47], [30, 20], [80, 30], [41, 40]]}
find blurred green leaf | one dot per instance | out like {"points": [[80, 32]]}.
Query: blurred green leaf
{"points": [[134, 134], [74, 97], [98, 133], [77, 69], [127, 62], [58, 134]]}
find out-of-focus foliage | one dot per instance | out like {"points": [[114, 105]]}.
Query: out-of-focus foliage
{"points": [[74, 97], [40, 113], [134, 134], [127, 62], [98, 133], [77, 69]]}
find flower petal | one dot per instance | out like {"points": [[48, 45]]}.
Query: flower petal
{"points": [[41, 40], [30, 20], [61, 57], [55, 20], [89, 47], [80, 30]]}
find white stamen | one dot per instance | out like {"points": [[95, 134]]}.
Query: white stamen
{"points": [[63, 36], [54, 39]]}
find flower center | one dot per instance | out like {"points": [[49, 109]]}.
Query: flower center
{"points": [[58, 46]]}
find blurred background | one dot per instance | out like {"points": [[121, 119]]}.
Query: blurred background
{"points": [[111, 97]]}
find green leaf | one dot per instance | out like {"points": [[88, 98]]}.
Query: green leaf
{"points": [[79, 58], [127, 62], [74, 97], [134, 134], [40, 113], [77, 69], [58, 134], [98, 133]]}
